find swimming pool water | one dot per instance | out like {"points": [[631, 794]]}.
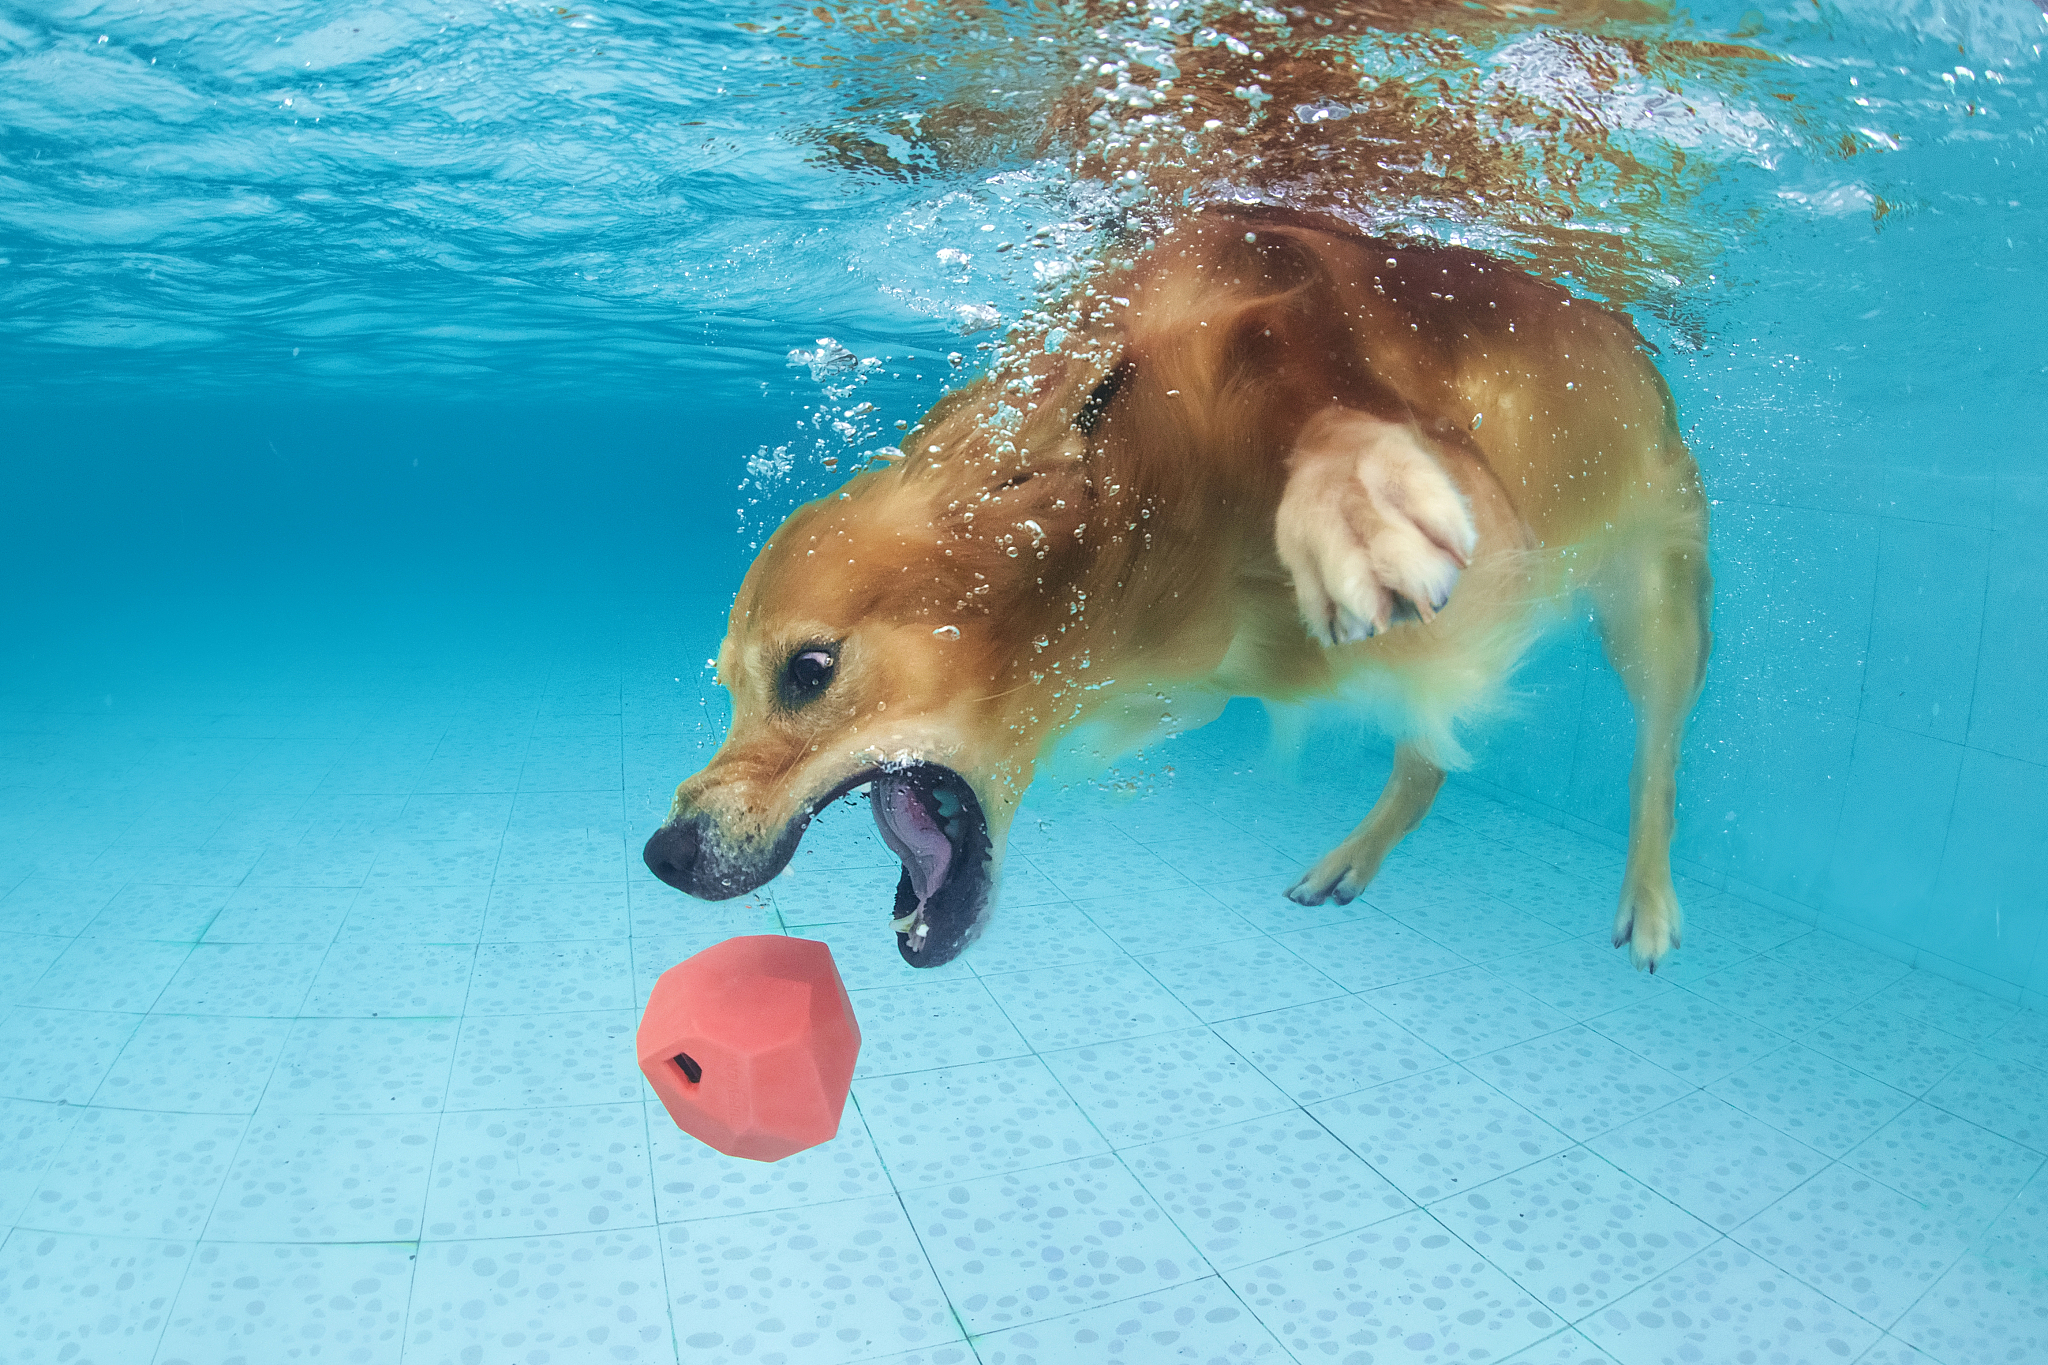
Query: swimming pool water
{"points": [[392, 401]]}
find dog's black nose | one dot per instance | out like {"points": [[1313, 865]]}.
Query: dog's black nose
{"points": [[671, 853]]}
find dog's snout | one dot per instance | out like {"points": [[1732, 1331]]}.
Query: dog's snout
{"points": [[672, 853]]}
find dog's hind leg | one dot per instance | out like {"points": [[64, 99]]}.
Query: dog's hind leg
{"points": [[1653, 604], [1345, 870]]}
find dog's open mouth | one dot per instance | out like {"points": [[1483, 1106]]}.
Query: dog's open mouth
{"points": [[929, 817]]}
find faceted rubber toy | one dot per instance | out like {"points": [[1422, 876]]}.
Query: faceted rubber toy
{"points": [[751, 1045]]}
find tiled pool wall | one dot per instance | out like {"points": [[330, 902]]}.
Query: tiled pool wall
{"points": [[1870, 754]]}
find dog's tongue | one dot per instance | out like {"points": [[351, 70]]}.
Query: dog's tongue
{"points": [[910, 834]]}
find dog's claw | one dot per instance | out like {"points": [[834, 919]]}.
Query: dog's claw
{"points": [[1647, 922]]}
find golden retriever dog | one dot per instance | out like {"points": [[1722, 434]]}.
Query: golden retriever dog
{"points": [[1272, 457]]}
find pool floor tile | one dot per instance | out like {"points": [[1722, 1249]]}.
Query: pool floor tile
{"points": [[963, 1122], [60, 1055], [246, 1305], [66, 1296], [1707, 1156], [391, 980], [32, 1132], [1370, 951], [416, 914], [327, 1178], [176, 914], [1814, 1098], [950, 1022], [1243, 977], [108, 974], [1580, 977], [867, 959], [1948, 1005], [1574, 1231], [2023, 1038], [269, 914], [130, 1173], [261, 979], [1329, 1048], [1089, 1002], [576, 1294], [1027, 937], [541, 912], [1689, 1036], [692, 1180], [1867, 1247], [1467, 1012], [1992, 1304], [1406, 1281], [357, 1066], [1168, 923], [826, 1284], [532, 1172], [1200, 1320], [195, 1065], [1263, 1187], [1965, 1173], [1163, 1085], [545, 1060], [1439, 1133], [2007, 1098], [57, 906], [558, 976], [1049, 1241], [1727, 1304], [1568, 1347], [1903, 1052], [1579, 1081]]}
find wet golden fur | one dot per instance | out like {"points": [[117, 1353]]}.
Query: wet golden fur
{"points": [[1014, 576]]}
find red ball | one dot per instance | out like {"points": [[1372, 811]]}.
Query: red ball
{"points": [[751, 1045]]}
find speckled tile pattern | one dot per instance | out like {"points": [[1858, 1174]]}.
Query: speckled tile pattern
{"points": [[1048, 1241], [329, 1057], [1249, 1190], [245, 1304], [1574, 1231], [1727, 1304], [1199, 1321], [1406, 1287], [1438, 1133]]}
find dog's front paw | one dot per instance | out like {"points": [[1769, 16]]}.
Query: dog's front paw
{"points": [[1648, 921], [1370, 527]]}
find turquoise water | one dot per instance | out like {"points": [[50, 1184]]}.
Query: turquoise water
{"points": [[392, 402]]}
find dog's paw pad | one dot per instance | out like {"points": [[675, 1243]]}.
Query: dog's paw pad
{"points": [[1371, 528]]}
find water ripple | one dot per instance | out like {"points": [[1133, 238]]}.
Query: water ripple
{"points": [[631, 197]]}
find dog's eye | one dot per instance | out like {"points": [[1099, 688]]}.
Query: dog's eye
{"points": [[808, 672]]}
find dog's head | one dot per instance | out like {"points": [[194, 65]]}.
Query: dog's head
{"points": [[900, 634]]}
